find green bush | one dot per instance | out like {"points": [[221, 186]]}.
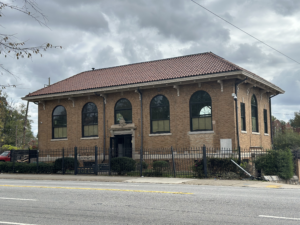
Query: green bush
{"points": [[277, 162], [122, 165], [160, 166], [288, 139], [152, 174], [7, 167], [68, 164], [9, 147], [144, 165], [215, 166]]}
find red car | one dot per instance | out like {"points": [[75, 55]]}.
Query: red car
{"points": [[5, 157]]}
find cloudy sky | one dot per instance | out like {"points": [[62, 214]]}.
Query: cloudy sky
{"points": [[104, 33]]}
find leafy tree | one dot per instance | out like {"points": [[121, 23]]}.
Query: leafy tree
{"points": [[12, 122], [296, 121], [9, 44]]}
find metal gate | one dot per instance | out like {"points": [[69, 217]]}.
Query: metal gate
{"points": [[86, 160]]}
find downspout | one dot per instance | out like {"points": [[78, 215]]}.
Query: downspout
{"points": [[270, 107], [141, 152], [237, 118], [104, 133]]}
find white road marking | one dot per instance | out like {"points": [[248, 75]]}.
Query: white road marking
{"points": [[18, 199], [278, 217], [1, 222]]}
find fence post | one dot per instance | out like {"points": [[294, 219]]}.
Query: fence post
{"points": [[96, 161], [63, 161], [109, 162], [204, 161], [28, 155], [239, 149], [141, 162], [37, 161], [12, 155], [75, 161], [174, 169]]}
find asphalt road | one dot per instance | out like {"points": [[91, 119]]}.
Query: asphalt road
{"points": [[72, 202]]}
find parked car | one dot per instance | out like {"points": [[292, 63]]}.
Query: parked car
{"points": [[5, 156]]}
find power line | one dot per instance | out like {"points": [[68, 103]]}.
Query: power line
{"points": [[246, 32]]}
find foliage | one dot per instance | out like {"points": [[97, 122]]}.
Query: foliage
{"points": [[9, 43], [7, 167], [296, 121], [144, 165], [276, 162], [68, 164], [288, 139], [160, 166], [122, 165], [215, 166], [9, 147], [12, 122]]}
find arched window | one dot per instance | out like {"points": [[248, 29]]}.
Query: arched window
{"points": [[123, 109], [200, 111], [89, 120], [59, 122], [160, 114], [254, 114]]}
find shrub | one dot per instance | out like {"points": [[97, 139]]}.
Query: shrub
{"points": [[160, 166], [9, 147], [215, 166], [276, 162], [68, 164], [144, 165], [122, 165]]}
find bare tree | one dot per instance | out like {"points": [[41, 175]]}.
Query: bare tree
{"points": [[9, 44]]}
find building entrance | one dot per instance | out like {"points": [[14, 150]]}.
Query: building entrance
{"points": [[121, 146]]}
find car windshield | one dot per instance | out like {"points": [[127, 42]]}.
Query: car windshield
{"points": [[4, 154]]}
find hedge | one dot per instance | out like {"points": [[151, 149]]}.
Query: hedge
{"points": [[7, 167], [122, 165], [68, 164], [277, 162]]}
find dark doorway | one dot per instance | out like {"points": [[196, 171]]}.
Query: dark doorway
{"points": [[121, 146]]}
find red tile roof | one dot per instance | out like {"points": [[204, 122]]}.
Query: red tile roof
{"points": [[179, 67]]}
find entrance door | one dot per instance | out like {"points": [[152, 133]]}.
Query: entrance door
{"points": [[121, 146]]}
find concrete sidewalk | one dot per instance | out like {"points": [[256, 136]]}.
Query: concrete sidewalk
{"points": [[156, 180]]}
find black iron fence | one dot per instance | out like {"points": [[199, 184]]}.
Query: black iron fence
{"points": [[165, 162]]}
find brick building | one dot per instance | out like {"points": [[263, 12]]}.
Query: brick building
{"points": [[185, 101]]}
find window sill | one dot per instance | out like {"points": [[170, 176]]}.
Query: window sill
{"points": [[256, 133], [266, 134], [62, 139], [243, 132], [161, 134], [89, 138], [201, 132]]}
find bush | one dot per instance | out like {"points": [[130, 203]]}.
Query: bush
{"points": [[122, 165], [288, 139], [9, 147], [215, 166], [68, 164], [144, 165], [277, 162], [7, 167], [160, 166]]}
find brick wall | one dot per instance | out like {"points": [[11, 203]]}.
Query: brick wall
{"points": [[223, 117]]}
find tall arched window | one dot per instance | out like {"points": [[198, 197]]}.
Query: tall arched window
{"points": [[160, 114], [59, 122], [89, 120], [254, 114], [123, 109], [200, 111]]}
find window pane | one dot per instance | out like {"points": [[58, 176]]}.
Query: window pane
{"points": [[160, 113], [55, 132], [200, 96], [59, 121], [123, 104], [254, 127], [195, 124], [59, 110], [64, 132], [89, 107], [167, 125], [159, 100], [208, 123], [154, 126]]}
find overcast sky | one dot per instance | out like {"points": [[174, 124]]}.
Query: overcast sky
{"points": [[104, 33]]}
